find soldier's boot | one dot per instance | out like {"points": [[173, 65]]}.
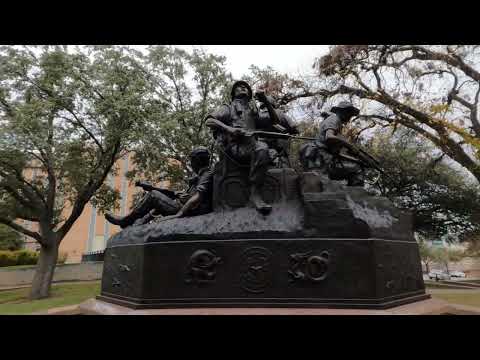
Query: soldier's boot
{"points": [[144, 220], [256, 197], [138, 212]]}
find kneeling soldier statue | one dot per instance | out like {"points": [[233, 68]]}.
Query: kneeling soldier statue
{"points": [[197, 200]]}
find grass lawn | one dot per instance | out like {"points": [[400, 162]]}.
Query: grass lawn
{"points": [[16, 301], [470, 298]]}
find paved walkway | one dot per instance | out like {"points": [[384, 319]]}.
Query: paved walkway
{"points": [[452, 291], [5, 288]]}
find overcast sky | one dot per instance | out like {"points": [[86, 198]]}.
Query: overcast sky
{"points": [[283, 58]]}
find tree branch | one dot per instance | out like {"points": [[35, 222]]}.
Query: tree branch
{"points": [[21, 229]]}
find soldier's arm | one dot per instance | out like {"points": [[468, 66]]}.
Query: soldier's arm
{"points": [[332, 138], [215, 124], [288, 123], [260, 95], [192, 203], [149, 187]]}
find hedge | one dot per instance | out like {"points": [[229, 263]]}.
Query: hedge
{"points": [[19, 257], [24, 257]]}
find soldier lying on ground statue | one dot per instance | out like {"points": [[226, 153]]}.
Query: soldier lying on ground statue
{"points": [[326, 153], [230, 124], [197, 200]]}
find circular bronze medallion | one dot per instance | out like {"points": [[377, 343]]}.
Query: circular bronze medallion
{"points": [[255, 269]]}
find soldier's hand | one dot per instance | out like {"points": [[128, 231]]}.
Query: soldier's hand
{"points": [[260, 96], [238, 132]]}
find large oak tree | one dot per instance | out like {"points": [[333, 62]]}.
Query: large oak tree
{"points": [[72, 113]]}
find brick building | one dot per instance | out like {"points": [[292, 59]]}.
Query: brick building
{"points": [[90, 232]]}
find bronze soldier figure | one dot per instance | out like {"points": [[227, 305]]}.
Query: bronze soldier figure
{"points": [[197, 200], [272, 119], [326, 153], [230, 124]]}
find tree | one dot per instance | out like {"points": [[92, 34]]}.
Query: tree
{"points": [[9, 239], [426, 254], [433, 90], [446, 255], [420, 181], [70, 113], [188, 86]]}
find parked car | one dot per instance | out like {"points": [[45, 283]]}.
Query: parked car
{"points": [[438, 275], [457, 274]]}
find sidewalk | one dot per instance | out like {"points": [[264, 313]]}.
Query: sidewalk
{"points": [[6, 288]]}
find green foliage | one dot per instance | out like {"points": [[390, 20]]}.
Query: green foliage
{"points": [[427, 253], [430, 89], [9, 239], [447, 255], [25, 257], [418, 180], [67, 114], [70, 113], [187, 86], [21, 257], [62, 257]]}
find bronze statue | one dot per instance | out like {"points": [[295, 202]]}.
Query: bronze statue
{"points": [[196, 200], [327, 154], [230, 125], [272, 119]]}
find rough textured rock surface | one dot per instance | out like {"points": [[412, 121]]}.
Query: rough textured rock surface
{"points": [[323, 245], [351, 213]]}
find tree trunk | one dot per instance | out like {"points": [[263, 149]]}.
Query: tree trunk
{"points": [[427, 267], [44, 271]]}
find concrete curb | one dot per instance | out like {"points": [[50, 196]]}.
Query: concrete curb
{"points": [[64, 310]]}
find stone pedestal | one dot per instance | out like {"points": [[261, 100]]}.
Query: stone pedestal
{"points": [[294, 272], [334, 248], [424, 307]]}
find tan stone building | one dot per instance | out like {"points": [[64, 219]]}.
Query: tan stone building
{"points": [[91, 232]]}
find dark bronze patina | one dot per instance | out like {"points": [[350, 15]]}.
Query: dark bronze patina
{"points": [[323, 244], [167, 204]]}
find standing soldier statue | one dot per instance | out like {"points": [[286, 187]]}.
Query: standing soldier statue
{"points": [[230, 125], [326, 154]]}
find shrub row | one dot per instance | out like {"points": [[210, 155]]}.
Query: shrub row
{"points": [[19, 257], [24, 257]]}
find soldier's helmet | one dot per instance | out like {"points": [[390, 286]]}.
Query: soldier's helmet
{"points": [[238, 83], [345, 106], [200, 156]]}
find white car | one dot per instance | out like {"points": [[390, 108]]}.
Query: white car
{"points": [[438, 275], [457, 274]]}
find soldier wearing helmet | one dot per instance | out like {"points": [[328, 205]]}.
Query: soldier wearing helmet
{"points": [[229, 125], [196, 200], [324, 154]]}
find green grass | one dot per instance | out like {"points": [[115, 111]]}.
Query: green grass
{"points": [[14, 302], [465, 298]]}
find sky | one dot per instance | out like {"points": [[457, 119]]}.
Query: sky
{"points": [[291, 59]]}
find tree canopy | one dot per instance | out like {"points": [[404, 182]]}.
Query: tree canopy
{"points": [[69, 113], [433, 90], [419, 180]]}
